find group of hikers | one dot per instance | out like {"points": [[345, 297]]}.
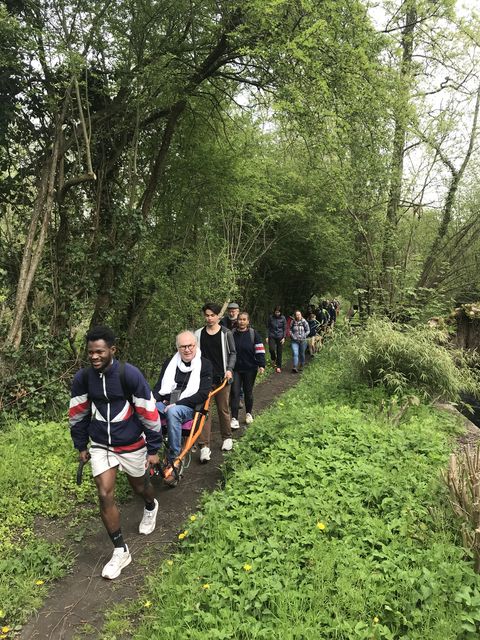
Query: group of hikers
{"points": [[116, 419]]}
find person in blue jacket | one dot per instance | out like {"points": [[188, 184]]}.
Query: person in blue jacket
{"points": [[250, 361], [113, 408]]}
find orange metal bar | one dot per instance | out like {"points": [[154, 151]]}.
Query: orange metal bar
{"points": [[195, 431]]}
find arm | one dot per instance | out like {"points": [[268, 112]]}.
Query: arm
{"points": [[145, 409], [231, 355], [259, 351], [79, 412]]}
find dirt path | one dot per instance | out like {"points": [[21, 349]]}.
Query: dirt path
{"points": [[77, 603]]}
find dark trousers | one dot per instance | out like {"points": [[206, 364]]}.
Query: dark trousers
{"points": [[275, 347], [245, 379]]}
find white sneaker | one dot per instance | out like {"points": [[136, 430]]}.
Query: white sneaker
{"points": [[234, 423], [249, 418], [120, 559], [205, 454], [227, 444], [149, 520]]}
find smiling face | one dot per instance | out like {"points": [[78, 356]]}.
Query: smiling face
{"points": [[100, 354], [187, 346]]}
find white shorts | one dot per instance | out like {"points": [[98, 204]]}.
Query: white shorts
{"points": [[133, 463]]}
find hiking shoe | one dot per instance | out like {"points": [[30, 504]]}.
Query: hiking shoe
{"points": [[294, 370], [249, 418], [234, 423], [278, 370], [227, 444], [120, 559], [149, 520], [205, 454]]}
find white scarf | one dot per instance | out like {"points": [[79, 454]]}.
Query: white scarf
{"points": [[168, 380]]}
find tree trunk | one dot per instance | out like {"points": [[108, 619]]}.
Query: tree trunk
{"points": [[389, 255]]}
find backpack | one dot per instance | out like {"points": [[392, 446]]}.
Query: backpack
{"points": [[128, 395]]}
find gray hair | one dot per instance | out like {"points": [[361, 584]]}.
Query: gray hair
{"points": [[188, 332]]}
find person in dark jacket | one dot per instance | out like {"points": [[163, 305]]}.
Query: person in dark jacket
{"points": [[217, 345], [250, 361], [230, 319], [277, 329], [123, 428], [184, 382]]}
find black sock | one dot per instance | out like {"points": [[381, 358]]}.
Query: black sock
{"points": [[117, 538], [149, 506]]}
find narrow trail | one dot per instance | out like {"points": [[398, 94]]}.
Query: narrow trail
{"points": [[76, 605]]}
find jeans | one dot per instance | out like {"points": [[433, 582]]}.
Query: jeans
{"points": [[298, 352], [175, 416]]}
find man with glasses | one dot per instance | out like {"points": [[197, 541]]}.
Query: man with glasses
{"points": [[184, 382]]}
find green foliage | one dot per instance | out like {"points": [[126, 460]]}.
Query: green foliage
{"points": [[37, 487], [330, 525], [402, 358]]}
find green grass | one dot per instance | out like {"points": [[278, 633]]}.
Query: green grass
{"points": [[332, 524], [37, 486]]}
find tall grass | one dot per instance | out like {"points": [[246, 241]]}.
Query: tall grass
{"points": [[403, 359]]}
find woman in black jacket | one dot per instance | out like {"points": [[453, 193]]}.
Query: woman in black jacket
{"points": [[277, 329], [250, 361]]}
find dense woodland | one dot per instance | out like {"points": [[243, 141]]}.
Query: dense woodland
{"points": [[158, 154]]}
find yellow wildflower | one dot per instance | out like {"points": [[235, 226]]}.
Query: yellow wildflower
{"points": [[169, 562], [193, 518], [247, 567], [321, 526], [147, 604], [5, 629], [206, 586], [39, 582], [183, 535], [376, 620]]}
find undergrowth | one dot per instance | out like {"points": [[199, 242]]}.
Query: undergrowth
{"points": [[37, 487], [331, 525]]}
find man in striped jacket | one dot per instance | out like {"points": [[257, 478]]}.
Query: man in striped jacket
{"points": [[112, 406]]}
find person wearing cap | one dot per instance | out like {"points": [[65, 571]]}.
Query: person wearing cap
{"points": [[229, 321]]}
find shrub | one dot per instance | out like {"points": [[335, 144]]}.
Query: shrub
{"points": [[403, 358]]}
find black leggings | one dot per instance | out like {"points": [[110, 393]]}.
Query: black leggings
{"points": [[245, 379], [275, 347]]}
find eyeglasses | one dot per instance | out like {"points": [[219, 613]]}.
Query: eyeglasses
{"points": [[186, 347]]}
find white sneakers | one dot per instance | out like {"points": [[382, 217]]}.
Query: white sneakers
{"points": [[227, 444], [234, 423], [120, 559], [149, 520], [205, 454], [249, 418]]}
